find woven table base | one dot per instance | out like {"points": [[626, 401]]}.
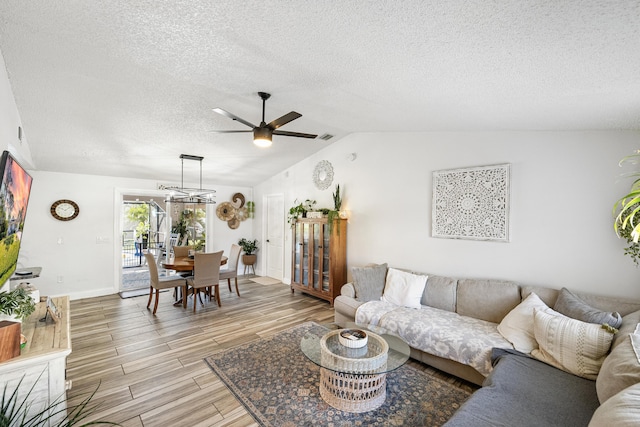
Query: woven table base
{"points": [[355, 393]]}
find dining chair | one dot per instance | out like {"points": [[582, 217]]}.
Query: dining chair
{"points": [[231, 272], [158, 283], [206, 275], [180, 251], [173, 239]]}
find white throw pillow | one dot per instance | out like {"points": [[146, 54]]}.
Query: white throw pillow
{"points": [[517, 326], [404, 289], [569, 344]]}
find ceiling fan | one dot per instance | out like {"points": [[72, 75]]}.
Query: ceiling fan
{"points": [[262, 134]]}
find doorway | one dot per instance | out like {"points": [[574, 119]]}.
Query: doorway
{"points": [[274, 227], [144, 229]]}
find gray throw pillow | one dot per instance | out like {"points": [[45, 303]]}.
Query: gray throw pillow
{"points": [[572, 306], [369, 282]]}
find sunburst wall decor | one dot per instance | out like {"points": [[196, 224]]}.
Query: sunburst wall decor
{"points": [[471, 203]]}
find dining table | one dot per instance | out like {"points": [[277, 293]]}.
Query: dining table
{"points": [[182, 265]]}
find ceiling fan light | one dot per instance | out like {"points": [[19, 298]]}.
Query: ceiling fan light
{"points": [[262, 137]]}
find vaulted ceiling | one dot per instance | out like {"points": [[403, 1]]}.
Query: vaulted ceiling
{"points": [[123, 87]]}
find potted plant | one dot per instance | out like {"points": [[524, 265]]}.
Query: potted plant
{"points": [[334, 213], [300, 210], [627, 220], [16, 304], [248, 247]]}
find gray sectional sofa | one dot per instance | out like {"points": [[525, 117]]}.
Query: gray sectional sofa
{"points": [[455, 327]]}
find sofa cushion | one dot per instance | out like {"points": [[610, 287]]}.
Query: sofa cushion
{"points": [[517, 326], [440, 292], [629, 325], [572, 306], [604, 303], [569, 344], [369, 281], [620, 369], [621, 410], [404, 289], [488, 300], [524, 392]]}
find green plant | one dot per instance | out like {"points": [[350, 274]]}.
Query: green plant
{"points": [[15, 411], [189, 223], [18, 303], [139, 214], [625, 209], [248, 246], [300, 210], [633, 248], [337, 198]]}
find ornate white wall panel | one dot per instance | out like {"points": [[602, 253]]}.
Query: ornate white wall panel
{"points": [[471, 203]]}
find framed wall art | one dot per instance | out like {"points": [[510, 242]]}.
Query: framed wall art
{"points": [[471, 203]]}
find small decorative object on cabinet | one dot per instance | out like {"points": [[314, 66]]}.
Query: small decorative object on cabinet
{"points": [[319, 259]]}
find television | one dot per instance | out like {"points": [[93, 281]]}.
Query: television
{"points": [[14, 198]]}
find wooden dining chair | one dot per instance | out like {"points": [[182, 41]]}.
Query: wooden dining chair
{"points": [[231, 272], [159, 283], [206, 276]]}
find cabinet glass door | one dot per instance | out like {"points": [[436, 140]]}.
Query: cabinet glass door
{"points": [[317, 253], [297, 253], [325, 256], [305, 254]]}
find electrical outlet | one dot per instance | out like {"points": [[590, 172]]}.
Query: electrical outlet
{"points": [[100, 240], [60, 241], [60, 279]]}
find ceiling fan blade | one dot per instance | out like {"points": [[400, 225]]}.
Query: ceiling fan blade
{"points": [[229, 131], [275, 124], [233, 117], [298, 134]]}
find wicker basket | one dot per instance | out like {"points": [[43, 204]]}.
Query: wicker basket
{"points": [[353, 379]]}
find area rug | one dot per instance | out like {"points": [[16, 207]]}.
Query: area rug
{"points": [[265, 280], [278, 386]]}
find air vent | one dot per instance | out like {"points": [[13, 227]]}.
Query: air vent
{"points": [[325, 137]]}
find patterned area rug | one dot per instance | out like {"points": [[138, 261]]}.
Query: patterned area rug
{"points": [[278, 386]]}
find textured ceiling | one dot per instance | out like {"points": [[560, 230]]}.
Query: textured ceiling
{"points": [[122, 88]]}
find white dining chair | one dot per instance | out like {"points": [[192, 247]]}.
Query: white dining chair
{"points": [[231, 272]]}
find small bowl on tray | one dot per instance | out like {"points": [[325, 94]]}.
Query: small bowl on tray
{"points": [[353, 338]]}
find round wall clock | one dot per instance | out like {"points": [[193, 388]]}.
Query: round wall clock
{"points": [[64, 210], [323, 175]]}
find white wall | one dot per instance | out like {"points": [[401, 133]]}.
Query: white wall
{"points": [[563, 186], [9, 123]]}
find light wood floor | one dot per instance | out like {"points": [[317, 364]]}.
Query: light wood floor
{"points": [[150, 369]]}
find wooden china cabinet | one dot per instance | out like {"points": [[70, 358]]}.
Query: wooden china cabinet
{"points": [[319, 258]]}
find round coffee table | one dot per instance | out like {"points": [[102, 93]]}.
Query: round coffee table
{"points": [[354, 379]]}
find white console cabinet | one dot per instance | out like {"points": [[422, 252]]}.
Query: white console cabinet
{"points": [[42, 361]]}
